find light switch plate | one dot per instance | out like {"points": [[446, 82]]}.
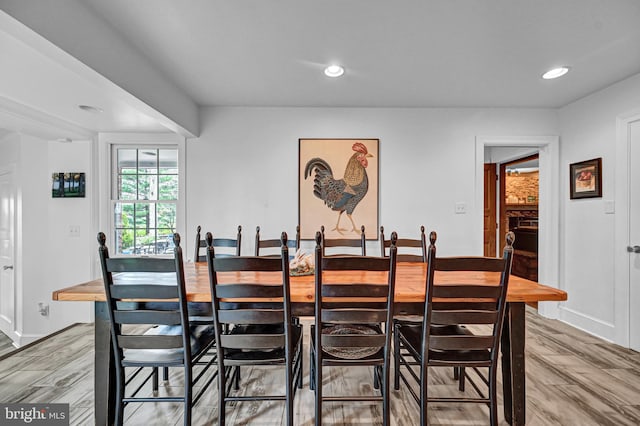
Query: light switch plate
{"points": [[609, 206], [461, 208]]}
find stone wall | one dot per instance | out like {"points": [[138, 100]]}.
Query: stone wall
{"points": [[521, 187]]}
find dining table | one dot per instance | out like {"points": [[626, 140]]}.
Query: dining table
{"points": [[409, 300]]}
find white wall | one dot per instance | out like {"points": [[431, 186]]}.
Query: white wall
{"points": [[587, 263], [47, 259], [244, 167]]}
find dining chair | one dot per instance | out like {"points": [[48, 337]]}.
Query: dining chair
{"points": [[452, 306], [350, 336], [343, 243], [230, 246], [148, 338], [251, 328], [275, 243], [416, 248]]}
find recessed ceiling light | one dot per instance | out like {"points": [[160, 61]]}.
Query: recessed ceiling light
{"points": [[555, 73], [90, 108], [333, 71]]}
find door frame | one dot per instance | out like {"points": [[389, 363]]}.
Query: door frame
{"points": [[622, 308], [548, 208], [10, 169]]}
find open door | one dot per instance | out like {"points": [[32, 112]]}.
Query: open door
{"points": [[490, 209]]}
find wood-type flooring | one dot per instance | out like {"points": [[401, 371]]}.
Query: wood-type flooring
{"points": [[572, 379]]}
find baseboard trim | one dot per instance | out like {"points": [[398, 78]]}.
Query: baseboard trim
{"points": [[588, 324], [35, 342]]}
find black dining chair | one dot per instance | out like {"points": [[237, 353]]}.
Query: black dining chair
{"points": [[251, 328], [226, 246], [444, 338], [273, 245], [409, 250], [337, 246], [143, 337], [345, 335]]}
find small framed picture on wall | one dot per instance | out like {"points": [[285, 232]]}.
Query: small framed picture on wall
{"points": [[585, 179]]}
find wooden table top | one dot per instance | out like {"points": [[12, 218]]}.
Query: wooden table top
{"points": [[410, 284]]}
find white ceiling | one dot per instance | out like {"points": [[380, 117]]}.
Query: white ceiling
{"points": [[413, 53], [401, 53]]}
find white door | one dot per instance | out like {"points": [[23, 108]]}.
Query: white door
{"points": [[634, 235], [7, 271]]}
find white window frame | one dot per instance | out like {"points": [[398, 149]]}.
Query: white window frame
{"points": [[106, 143]]}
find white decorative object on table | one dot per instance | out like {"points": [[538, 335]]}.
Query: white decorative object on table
{"points": [[301, 264]]}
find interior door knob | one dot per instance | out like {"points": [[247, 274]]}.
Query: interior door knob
{"points": [[634, 249], [5, 267]]}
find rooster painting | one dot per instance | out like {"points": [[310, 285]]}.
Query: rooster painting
{"points": [[341, 195]]}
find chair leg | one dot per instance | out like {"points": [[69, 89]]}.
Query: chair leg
{"points": [[396, 359], [493, 397], [312, 371], [318, 386], [301, 366], [188, 388], [376, 377], [119, 414], [154, 380], [300, 369], [456, 373], [222, 388], [236, 384], [289, 392], [461, 379], [165, 374], [424, 399], [386, 409]]}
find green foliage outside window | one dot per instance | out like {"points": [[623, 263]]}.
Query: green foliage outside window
{"points": [[147, 192]]}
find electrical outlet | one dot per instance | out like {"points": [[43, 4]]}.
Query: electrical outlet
{"points": [[461, 208], [43, 309], [74, 231]]}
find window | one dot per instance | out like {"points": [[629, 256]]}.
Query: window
{"points": [[144, 201]]}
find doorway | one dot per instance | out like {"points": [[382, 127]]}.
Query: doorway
{"points": [[549, 207], [7, 270], [519, 195]]}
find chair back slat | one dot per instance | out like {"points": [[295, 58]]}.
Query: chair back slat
{"points": [[141, 291], [463, 317], [355, 263], [140, 264], [461, 343], [354, 316], [247, 263], [355, 290], [353, 340], [147, 317], [480, 264], [252, 341], [150, 342], [334, 243], [254, 291], [224, 243], [467, 291], [409, 250], [271, 244], [251, 316]]}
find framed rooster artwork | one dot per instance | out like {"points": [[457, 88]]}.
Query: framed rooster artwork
{"points": [[338, 187]]}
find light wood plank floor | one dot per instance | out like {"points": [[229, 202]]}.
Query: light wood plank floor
{"points": [[572, 379], [6, 344]]}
